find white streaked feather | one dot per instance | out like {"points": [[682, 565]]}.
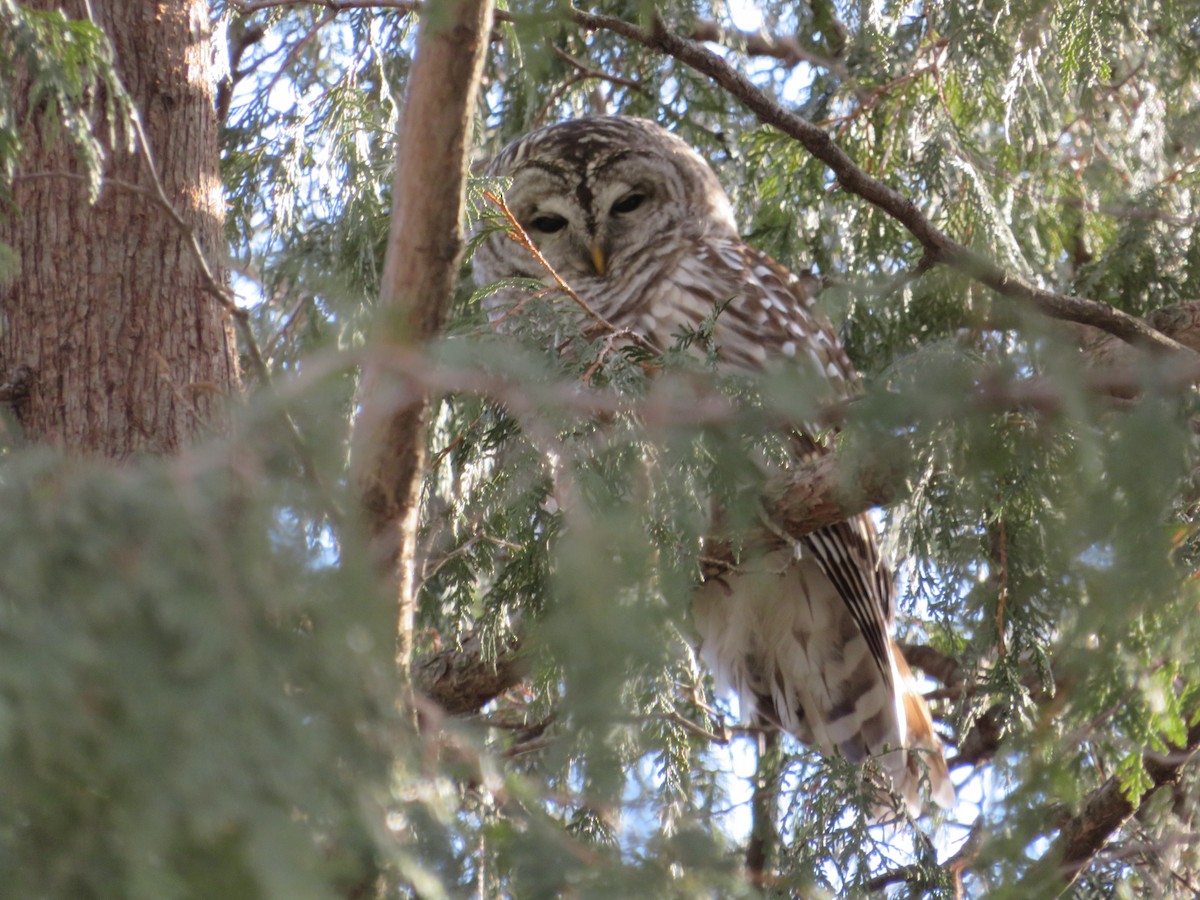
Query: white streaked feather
{"points": [[781, 628]]}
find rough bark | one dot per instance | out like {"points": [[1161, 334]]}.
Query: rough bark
{"points": [[418, 282], [463, 679], [108, 315]]}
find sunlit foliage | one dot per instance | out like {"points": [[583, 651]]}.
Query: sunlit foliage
{"points": [[196, 695]]}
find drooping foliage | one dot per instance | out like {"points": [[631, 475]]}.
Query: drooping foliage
{"points": [[196, 695]]}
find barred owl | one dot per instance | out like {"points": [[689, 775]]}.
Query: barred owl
{"points": [[637, 224]]}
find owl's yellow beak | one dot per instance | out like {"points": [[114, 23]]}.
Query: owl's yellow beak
{"points": [[598, 259]]}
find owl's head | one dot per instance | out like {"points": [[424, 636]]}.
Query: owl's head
{"points": [[605, 200]]}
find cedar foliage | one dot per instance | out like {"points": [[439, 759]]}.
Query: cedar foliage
{"points": [[196, 693]]}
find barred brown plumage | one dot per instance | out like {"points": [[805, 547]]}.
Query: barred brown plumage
{"points": [[638, 225]]}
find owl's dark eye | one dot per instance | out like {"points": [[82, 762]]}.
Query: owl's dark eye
{"points": [[628, 203], [548, 224]]}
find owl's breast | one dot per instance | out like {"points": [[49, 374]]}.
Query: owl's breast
{"points": [[658, 289]]}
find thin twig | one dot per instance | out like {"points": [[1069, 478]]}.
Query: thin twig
{"points": [[584, 73], [290, 320], [787, 49], [294, 50], [692, 728], [589, 72], [517, 233]]}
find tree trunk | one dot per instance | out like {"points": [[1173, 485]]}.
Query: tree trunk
{"points": [[107, 320]]}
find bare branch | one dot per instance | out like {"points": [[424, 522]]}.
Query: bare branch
{"points": [[939, 666], [910, 874], [418, 281], [587, 71]]}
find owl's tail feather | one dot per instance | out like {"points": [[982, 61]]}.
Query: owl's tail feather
{"points": [[924, 757], [780, 636]]}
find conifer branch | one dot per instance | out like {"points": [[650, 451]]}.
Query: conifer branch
{"points": [[1105, 812], [938, 246]]}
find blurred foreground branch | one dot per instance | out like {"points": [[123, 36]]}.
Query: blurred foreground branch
{"points": [[806, 497]]}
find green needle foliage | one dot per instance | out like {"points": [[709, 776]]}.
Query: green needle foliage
{"points": [[197, 690]]}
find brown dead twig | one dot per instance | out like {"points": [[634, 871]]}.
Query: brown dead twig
{"points": [[517, 233], [583, 73]]}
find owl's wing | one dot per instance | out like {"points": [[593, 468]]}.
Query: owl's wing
{"points": [[806, 640], [769, 315]]}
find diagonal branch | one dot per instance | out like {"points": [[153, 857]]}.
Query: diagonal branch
{"points": [[1105, 812], [938, 246]]}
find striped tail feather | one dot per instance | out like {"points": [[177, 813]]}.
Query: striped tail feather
{"points": [[778, 634]]}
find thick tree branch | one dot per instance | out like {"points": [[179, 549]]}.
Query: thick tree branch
{"points": [[941, 667], [463, 679], [938, 247], [1104, 813], [418, 282]]}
